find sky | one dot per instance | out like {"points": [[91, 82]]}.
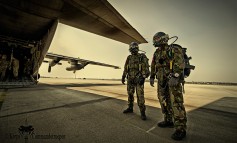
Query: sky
{"points": [[207, 28]]}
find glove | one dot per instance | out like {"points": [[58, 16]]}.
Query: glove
{"points": [[141, 80], [152, 80], [161, 61], [173, 82], [123, 80]]}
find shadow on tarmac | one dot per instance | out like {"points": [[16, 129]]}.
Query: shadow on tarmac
{"points": [[205, 124]]}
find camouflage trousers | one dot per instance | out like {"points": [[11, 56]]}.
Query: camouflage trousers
{"points": [[27, 70], [3, 68], [171, 101], [131, 87], [179, 113], [2, 73], [164, 99]]}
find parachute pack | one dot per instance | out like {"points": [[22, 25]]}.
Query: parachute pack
{"points": [[188, 66]]}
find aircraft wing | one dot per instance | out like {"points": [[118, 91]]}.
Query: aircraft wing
{"points": [[99, 17], [35, 17], [58, 58]]}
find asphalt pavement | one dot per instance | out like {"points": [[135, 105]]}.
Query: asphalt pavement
{"points": [[78, 111]]}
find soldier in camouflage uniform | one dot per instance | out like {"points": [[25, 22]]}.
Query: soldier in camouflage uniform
{"points": [[15, 67], [27, 66], [136, 69], [35, 57], [168, 66], [3, 66]]}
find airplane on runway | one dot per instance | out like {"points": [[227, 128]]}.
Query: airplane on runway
{"points": [[76, 63], [28, 27]]}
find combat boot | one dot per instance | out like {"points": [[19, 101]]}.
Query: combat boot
{"points": [[143, 115], [166, 124], [128, 110], [179, 135]]}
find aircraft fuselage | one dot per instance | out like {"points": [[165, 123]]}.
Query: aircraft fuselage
{"points": [[27, 28]]}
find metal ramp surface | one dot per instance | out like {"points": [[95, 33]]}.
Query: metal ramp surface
{"points": [[16, 83]]}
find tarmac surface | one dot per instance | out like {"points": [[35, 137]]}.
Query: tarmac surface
{"points": [[78, 111]]}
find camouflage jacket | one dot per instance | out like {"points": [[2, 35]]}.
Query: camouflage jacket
{"points": [[135, 65], [166, 62], [3, 65]]}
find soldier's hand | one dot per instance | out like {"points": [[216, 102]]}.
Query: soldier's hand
{"points": [[141, 80], [152, 81], [173, 81], [123, 80]]}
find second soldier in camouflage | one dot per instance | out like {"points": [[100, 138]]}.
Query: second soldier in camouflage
{"points": [[136, 69]]}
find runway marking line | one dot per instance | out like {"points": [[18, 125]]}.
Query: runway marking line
{"points": [[152, 128]]}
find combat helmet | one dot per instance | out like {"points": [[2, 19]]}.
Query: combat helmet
{"points": [[133, 47], [160, 38]]}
